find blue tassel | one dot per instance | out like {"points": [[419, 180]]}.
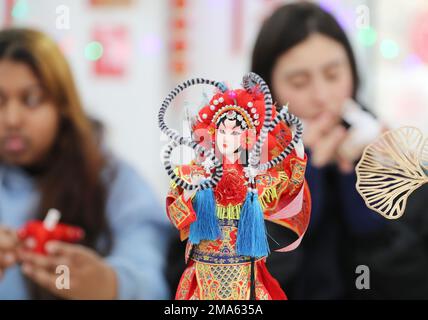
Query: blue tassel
{"points": [[252, 240], [206, 225]]}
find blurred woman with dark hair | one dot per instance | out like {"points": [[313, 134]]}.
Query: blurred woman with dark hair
{"points": [[307, 60], [51, 157]]}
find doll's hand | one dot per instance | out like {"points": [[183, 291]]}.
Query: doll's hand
{"points": [[196, 179], [89, 276], [8, 245], [208, 164]]}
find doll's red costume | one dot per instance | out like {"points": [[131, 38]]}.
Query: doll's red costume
{"points": [[222, 266]]}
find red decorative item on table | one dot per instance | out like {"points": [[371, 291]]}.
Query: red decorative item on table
{"points": [[43, 231]]}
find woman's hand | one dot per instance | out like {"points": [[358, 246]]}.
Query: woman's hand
{"points": [[89, 276], [8, 246], [323, 136]]}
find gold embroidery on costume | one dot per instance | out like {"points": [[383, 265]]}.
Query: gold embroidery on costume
{"points": [[228, 212], [220, 251], [223, 282], [179, 212], [297, 175], [185, 283], [273, 190]]}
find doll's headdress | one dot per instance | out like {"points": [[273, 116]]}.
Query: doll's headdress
{"points": [[245, 106]]}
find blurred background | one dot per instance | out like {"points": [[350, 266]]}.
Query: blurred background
{"points": [[127, 54]]}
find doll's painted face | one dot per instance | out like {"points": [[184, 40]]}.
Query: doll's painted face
{"points": [[228, 137]]}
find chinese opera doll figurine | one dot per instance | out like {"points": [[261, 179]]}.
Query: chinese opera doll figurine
{"points": [[249, 167]]}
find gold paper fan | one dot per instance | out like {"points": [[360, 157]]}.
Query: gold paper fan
{"points": [[391, 168]]}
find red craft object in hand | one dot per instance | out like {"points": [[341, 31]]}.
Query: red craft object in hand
{"points": [[49, 229]]}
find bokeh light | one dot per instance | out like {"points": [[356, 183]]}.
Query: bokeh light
{"points": [[344, 15], [411, 61], [67, 45], [151, 44], [20, 10], [94, 51], [389, 49], [367, 36], [419, 36]]}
